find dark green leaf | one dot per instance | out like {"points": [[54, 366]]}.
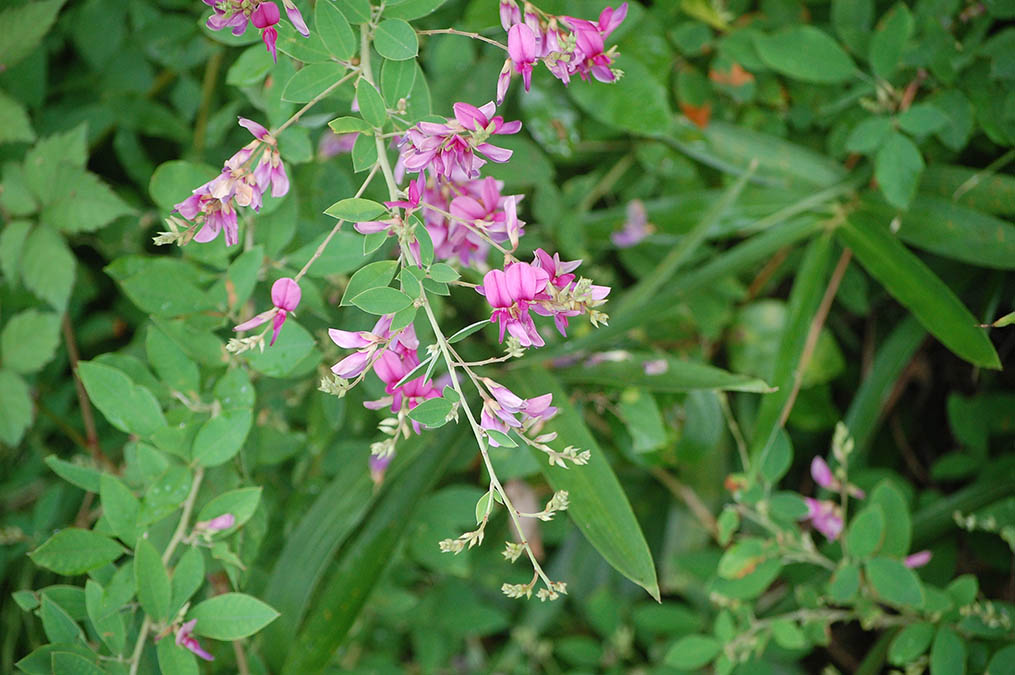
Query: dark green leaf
{"points": [[75, 551], [805, 53], [897, 168], [866, 531], [910, 643], [887, 42], [128, 407], [154, 591], [894, 583], [29, 340], [395, 39], [947, 653], [334, 30], [231, 616]]}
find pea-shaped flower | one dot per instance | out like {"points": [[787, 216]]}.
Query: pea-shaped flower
{"points": [[285, 295]]}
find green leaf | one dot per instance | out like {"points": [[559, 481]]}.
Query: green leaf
{"points": [[170, 362], [410, 284], [910, 643], [310, 80], [482, 505], [384, 300], [692, 651], [898, 530], [288, 356], [426, 249], [894, 583], [241, 503], [373, 275], [74, 664], [844, 584], [947, 653], [173, 181], [869, 135], [888, 40], [403, 318], [307, 50], [776, 458], [922, 119], [129, 407], [502, 439], [364, 156], [1002, 662], [852, 20], [84, 477], [866, 531], [598, 504], [356, 210], [250, 68], [47, 266], [788, 635], [107, 621], [15, 127], [914, 285], [411, 9], [432, 413], [80, 202], [175, 659], [371, 105], [154, 591], [334, 30], [220, 438], [611, 104], [24, 26], [58, 625], [120, 507], [395, 39], [356, 11], [897, 168], [347, 125], [231, 616], [12, 242], [443, 272], [805, 53], [29, 340], [75, 551], [15, 407], [463, 333], [188, 577], [397, 80]]}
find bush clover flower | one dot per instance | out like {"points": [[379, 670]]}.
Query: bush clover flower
{"points": [[285, 296], [635, 228], [369, 345], [918, 559], [825, 516], [511, 292], [504, 408], [185, 638], [235, 14]]}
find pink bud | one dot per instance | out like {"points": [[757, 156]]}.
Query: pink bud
{"points": [[286, 294], [918, 559], [217, 524], [821, 473], [265, 15]]}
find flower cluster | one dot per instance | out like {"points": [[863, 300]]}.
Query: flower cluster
{"points": [[504, 409], [264, 15], [246, 175], [565, 45]]}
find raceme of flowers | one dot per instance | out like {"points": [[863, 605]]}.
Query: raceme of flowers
{"points": [[235, 14]]}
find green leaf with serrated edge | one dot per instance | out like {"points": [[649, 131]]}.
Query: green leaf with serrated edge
{"points": [[692, 651], [888, 40], [373, 275], [231, 616], [84, 477], [947, 653], [910, 643], [463, 333], [866, 532], [107, 621], [367, 555], [334, 30], [364, 154], [382, 301], [128, 407], [443, 272], [894, 583], [897, 168], [371, 105], [432, 413], [240, 503], [154, 591], [914, 285], [25, 25], [119, 506], [29, 340], [808, 286], [502, 439], [311, 80], [397, 80], [396, 40], [805, 53], [12, 241], [75, 551], [188, 577], [47, 266], [356, 210], [348, 125], [175, 659], [15, 127], [81, 202], [220, 438], [598, 505]]}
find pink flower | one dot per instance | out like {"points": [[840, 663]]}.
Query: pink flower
{"points": [[511, 292], [635, 228], [918, 559], [822, 474], [509, 13], [265, 17], [656, 366], [565, 297], [825, 517], [378, 466], [391, 367], [186, 639], [332, 144], [295, 18], [285, 296], [217, 524], [486, 211], [504, 409], [370, 344]]}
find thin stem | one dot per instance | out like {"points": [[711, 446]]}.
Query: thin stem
{"points": [[207, 91], [334, 230], [452, 31], [738, 436], [686, 494], [314, 101], [975, 179], [382, 153], [87, 416], [606, 183]]}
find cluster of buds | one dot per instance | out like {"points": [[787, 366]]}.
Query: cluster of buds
{"points": [[552, 591], [212, 207], [235, 14], [565, 45]]}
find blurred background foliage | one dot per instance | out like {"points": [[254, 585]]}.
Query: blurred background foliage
{"points": [[885, 128]]}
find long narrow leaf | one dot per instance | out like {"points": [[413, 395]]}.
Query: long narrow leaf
{"points": [[673, 376]]}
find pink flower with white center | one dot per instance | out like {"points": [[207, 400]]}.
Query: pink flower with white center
{"points": [[485, 210], [370, 344], [825, 517], [503, 410], [264, 15], [285, 296], [185, 638], [444, 148], [511, 292], [216, 524], [918, 559], [635, 228]]}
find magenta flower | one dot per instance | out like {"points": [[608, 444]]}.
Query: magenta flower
{"points": [[523, 52], [822, 474], [295, 18], [378, 466], [264, 15], [635, 228], [825, 517], [511, 292], [186, 639], [486, 211], [216, 524], [918, 559], [509, 14], [285, 296], [444, 148], [565, 297], [369, 345], [507, 409], [332, 144], [391, 367]]}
